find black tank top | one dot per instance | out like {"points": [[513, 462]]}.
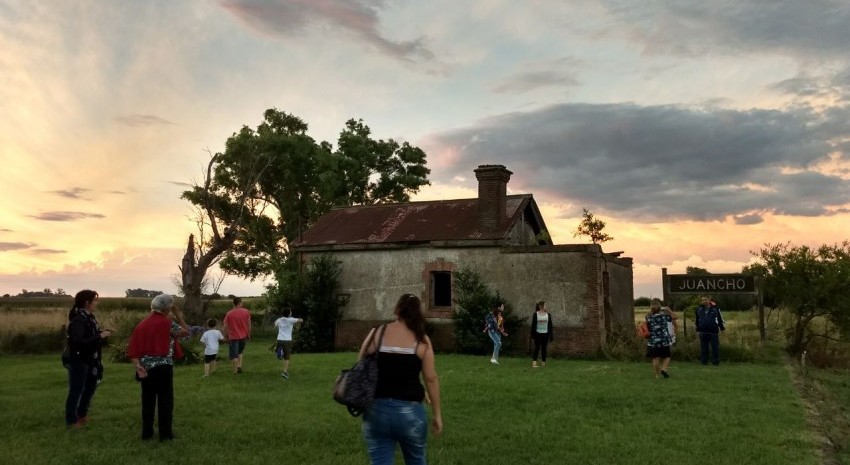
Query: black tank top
{"points": [[398, 376]]}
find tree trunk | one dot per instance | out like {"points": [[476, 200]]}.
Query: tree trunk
{"points": [[192, 276]]}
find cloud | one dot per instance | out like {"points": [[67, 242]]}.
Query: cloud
{"points": [[72, 193], [65, 216], [7, 246], [748, 219], [660, 162], [137, 120], [834, 85], [182, 184], [5, 230], [357, 17], [117, 192], [540, 75], [48, 251], [805, 30], [532, 80]]}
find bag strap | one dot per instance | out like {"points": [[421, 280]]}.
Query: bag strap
{"points": [[383, 330]]}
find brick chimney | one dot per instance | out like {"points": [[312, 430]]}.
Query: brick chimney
{"points": [[492, 196]]}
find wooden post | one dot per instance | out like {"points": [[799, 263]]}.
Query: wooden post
{"points": [[762, 326]]}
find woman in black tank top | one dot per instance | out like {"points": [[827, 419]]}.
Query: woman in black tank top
{"points": [[397, 415]]}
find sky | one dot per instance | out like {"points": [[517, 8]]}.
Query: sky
{"points": [[698, 131]]}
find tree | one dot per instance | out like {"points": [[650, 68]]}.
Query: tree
{"points": [[139, 292], [697, 271], [592, 227], [812, 283], [271, 183], [474, 301]]}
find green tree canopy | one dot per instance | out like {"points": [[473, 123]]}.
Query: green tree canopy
{"points": [[812, 283], [274, 181]]}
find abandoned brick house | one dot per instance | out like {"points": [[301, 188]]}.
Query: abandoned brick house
{"points": [[389, 250]]}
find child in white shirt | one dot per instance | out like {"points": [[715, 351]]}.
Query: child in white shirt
{"points": [[210, 340]]}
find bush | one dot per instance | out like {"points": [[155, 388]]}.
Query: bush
{"points": [[192, 353], [38, 342], [474, 301]]}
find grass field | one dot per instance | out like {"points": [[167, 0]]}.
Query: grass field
{"points": [[587, 412]]}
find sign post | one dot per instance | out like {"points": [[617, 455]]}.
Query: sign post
{"points": [[674, 284]]}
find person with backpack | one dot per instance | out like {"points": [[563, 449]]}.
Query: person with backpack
{"points": [[494, 326], [83, 357], [659, 340], [709, 323]]}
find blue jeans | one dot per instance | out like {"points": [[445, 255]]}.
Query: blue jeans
{"points": [[497, 343], [390, 421], [81, 386], [705, 340]]}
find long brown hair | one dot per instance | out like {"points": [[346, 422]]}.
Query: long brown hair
{"points": [[409, 310], [81, 300]]}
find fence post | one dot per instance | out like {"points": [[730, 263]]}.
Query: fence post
{"points": [[762, 325]]}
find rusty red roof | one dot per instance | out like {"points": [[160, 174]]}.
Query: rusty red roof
{"points": [[439, 220]]}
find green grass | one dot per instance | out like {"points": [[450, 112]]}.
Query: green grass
{"points": [[587, 412], [829, 391]]}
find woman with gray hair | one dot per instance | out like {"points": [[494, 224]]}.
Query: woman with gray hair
{"points": [[152, 350]]}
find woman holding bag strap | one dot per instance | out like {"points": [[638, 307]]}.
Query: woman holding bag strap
{"points": [[397, 414]]}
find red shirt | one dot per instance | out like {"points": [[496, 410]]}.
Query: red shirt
{"points": [[238, 322]]}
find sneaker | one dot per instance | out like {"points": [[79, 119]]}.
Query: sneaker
{"points": [[82, 421], [664, 374], [494, 361], [534, 364], [285, 374], [239, 371]]}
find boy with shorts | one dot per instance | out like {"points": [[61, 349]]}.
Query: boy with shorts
{"points": [[283, 348], [210, 340]]}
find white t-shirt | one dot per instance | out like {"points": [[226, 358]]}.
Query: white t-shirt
{"points": [[284, 327], [210, 340]]}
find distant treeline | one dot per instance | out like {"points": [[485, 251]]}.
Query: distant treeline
{"points": [[8, 303]]}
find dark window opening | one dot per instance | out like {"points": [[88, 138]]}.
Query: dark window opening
{"points": [[441, 289]]}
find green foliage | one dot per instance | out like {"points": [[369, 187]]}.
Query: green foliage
{"points": [[271, 183], [312, 297], [812, 283], [642, 302], [473, 300], [32, 342], [592, 227]]}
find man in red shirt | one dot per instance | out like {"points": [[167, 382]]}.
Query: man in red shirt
{"points": [[237, 328]]}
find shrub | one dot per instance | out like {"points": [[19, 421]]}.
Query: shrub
{"points": [[33, 342], [474, 300]]}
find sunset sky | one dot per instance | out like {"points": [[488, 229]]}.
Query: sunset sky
{"points": [[698, 130]]}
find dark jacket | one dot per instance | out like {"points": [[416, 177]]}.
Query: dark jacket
{"points": [[549, 329], [84, 342], [709, 320]]}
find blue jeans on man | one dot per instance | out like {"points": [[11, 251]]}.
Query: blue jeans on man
{"points": [[706, 340], [388, 422]]}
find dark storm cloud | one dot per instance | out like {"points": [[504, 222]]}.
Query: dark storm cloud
{"points": [[810, 29], [65, 216], [7, 246], [72, 193], [359, 18], [662, 162], [138, 120]]}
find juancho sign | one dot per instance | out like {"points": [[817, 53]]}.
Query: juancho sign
{"points": [[711, 284]]}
